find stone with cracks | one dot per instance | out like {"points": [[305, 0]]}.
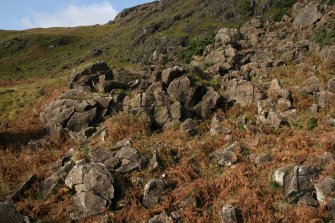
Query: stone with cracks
{"points": [[153, 192]]}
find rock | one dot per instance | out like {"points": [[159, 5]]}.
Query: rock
{"points": [[280, 174], [130, 159], [331, 206], [89, 76], [312, 85], [283, 105], [170, 74], [217, 128], [227, 36], [225, 156], [163, 218], [267, 114], [262, 158], [55, 180], [275, 91], [8, 214], [94, 186], [289, 56], [122, 144], [88, 204], [307, 16], [324, 188], [209, 103], [243, 92], [188, 126], [15, 196], [74, 113], [308, 201], [228, 214], [328, 54], [298, 182], [153, 192], [325, 99], [331, 85]]}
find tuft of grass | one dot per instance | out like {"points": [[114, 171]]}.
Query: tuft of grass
{"points": [[274, 185], [196, 47], [325, 36], [312, 123]]}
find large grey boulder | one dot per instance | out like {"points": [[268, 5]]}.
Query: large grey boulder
{"points": [[94, 188], [8, 214], [307, 16], [243, 92], [74, 112], [153, 192], [298, 182]]}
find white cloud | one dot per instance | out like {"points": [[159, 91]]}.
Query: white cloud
{"points": [[72, 15]]}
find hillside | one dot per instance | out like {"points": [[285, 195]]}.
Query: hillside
{"points": [[176, 111]]}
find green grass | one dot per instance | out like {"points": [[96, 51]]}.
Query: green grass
{"points": [[21, 97], [312, 123], [325, 36]]}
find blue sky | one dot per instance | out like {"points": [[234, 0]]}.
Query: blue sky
{"points": [[25, 14]]}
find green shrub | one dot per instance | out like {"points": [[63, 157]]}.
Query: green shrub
{"points": [[325, 36], [196, 47], [312, 123], [274, 185]]}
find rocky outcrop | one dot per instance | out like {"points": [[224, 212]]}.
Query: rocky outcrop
{"points": [[174, 99]]}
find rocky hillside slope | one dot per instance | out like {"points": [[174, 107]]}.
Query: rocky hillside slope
{"points": [[234, 127]]}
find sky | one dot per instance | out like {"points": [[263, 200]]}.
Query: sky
{"points": [[26, 14]]}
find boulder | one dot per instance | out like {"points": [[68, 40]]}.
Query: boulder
{"points": [[94, 188], [324, 189], [275, 91], [267, 114], [312, 85], [87, 78], [165, 218], [8, 214], [130, 159], [56, 180], [227, 36], [75, 112], [243, 92], [280, 174], [325, 99], [228, 214], [307, 16], [298, 182], [170, 74], [225, 156], [153, 192]]}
